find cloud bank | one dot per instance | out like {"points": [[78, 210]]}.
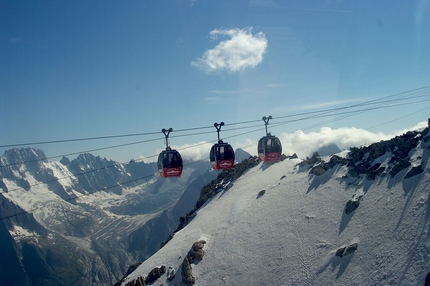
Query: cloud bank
{"points": [[299, 142], [241, 50], [305, 144]]}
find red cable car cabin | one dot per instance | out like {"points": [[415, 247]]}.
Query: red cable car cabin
{"points": [[269, 148], [170, 163], [222, 156]]}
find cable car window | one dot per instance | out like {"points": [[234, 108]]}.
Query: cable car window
{"points": [[175, 160], [269, 144], [221, 152]]}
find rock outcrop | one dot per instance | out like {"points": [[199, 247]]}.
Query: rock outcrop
{"points": [[362, 160]]}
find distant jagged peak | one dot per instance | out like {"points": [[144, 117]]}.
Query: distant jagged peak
{"points": [[241, 155], [17, 156], [90, 159], [65, 161]]}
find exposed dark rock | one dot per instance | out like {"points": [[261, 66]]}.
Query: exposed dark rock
{"points": [[261, 193], [324, 166], [400, 165], [294, 156], [139, 281], [360, 160], [346, 250], [352, 204], [284, 157], [414, 171], [310, 161], [427, 282], [350, 249], [170, 274], [155, 274], [196, 253], [187, 273], [353, 173], [318, 170], [340, 251]]}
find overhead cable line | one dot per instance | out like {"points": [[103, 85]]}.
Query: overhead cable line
{"points": [[374, 101], [144, 177], [316, 114], [344, 115], [312, 115]]}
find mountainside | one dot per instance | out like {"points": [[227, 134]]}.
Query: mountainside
{"points": [[83, 221], [360, 217]]}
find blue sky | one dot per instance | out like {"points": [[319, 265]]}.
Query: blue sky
{"points": [[81, 69]]}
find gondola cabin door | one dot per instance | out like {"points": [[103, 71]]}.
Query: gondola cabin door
{"points": [[169, 161], [170, 164], [269, 149], [222, 156]]}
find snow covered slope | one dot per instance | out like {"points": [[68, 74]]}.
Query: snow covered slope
{"points": [[290, 234]]}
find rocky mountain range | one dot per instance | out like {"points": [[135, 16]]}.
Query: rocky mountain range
{"points": [[84, 221]]}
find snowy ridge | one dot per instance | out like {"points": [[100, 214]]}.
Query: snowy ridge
{"points": [[290, 234], [98, 208]]}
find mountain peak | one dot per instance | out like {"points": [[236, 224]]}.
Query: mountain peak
{"points": [[17, 156]]}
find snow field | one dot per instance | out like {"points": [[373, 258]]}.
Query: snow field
{"points": [[289, 235]]}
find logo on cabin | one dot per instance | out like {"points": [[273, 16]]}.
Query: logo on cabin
{"points": [[173, 171], [273, 156], [225, 164]]}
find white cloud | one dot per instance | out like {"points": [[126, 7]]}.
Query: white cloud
{"points": [[240, 51], [305, 144]]}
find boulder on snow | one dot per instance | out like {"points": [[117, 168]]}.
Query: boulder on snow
{"points": [[340, 251], [139, 281], [261, 193], [197, 251], [155, 274], [352, 204], [346, 250], [350, 249], [187, 273]]}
